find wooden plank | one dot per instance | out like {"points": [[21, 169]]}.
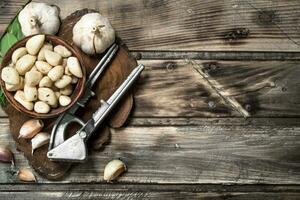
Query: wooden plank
{"points": [[8, 10], [171, 88], [223, 154], [260, 25], [115, 195]]}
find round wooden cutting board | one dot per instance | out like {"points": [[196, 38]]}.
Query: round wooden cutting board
{"points": [[113, 76]]}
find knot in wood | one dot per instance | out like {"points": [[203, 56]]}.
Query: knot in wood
{"points": [[237, 34]]}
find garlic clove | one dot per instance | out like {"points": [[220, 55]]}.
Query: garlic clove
{"points": [[63, 51], [74, 67], [6, 155], [74, 80], [48, 96], [53, 58], [41, 55], [114, 169], [43, 67], [46, 82], [39, 140], [32, 78], [25, 63], [56, 73], [37, 18], [66, 90], [10, 75], [18, 53], [63, 81], [34, 44], [13, 88], [30, 93], [64, 100], [41, 107], [30, 128], [26, 175], [20, 97]]}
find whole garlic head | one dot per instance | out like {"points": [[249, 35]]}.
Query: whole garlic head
{"points": [[93, 33], [39, 18]]}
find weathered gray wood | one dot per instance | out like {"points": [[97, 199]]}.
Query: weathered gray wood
{"points": [[260, 25], [222, 154], [171, 88], [115, 195], [8, 10]]}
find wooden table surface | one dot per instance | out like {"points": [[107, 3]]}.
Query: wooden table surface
{"points": [[184, 140]]}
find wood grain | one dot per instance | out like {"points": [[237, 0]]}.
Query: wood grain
{"points": [[171, 88], [166, 195], [219, 154], [240, 25]]}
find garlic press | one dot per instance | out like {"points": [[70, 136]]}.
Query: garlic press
{"points": [[74, 149]]}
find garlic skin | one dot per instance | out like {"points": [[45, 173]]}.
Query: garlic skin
{"points": [[37, 18], [26, 175], [113, 169], [30, 128], [93, 33], [6, 155], [39, 140]]}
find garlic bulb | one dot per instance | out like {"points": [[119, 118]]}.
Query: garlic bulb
{"points": [[93, 33], [39, 18]]}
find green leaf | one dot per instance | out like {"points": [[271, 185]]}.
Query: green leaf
{"points": [[15, 29], [6, 42]]}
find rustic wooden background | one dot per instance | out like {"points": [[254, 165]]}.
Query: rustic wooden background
{"points": [[183, 139]]}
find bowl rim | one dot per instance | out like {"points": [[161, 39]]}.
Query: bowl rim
{"points": [[77, 91]]}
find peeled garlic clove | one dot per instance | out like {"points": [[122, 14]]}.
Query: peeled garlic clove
{"points": [[30, 128], [63, 81], [74, 67], [20, 98], [41, 55], [37, 18], [74, 80], [33, 78], [25, 63], [10, 75], [56, 73], [12, 88], [30, 93], [66, 90], [43, 67], [6, 155], [46, 82], [34, 44], [63, 51], [64, 100], [53, 58], [18, 53], [48, 96], [114, 169], [41, 107], [26, 175], [39, 140]]}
